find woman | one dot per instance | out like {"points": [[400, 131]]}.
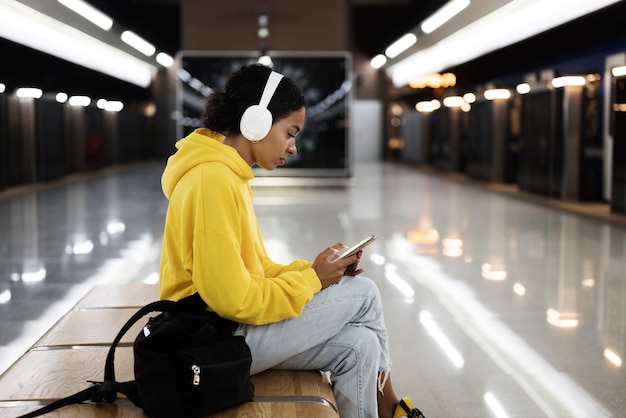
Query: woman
{"points": [[213, 245]]}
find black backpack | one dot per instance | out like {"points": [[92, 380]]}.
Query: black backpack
{"points": [[188, 363]]}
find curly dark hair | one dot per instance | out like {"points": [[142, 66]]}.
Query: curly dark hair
{"points": [[244, 87]]}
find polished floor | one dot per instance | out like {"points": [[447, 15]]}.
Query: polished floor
{"points": [[497, 306]]}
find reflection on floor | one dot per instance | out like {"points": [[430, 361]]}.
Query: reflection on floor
{"points": [[498, 304]]}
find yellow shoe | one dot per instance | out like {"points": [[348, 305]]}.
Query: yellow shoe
{"points": [[405, 410]]}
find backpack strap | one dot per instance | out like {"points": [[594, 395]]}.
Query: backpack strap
{"points": [[106, 392], [110, 386]]}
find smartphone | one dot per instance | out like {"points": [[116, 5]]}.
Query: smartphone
{"points": [[357, 247]]}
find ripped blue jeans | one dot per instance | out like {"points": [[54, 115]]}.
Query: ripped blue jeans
{"points": [[341, 330]]}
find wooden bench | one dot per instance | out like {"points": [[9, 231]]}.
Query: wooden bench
{"points": [[73, 352]]}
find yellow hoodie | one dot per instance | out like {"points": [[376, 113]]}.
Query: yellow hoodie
{"points": [[212, 243]]}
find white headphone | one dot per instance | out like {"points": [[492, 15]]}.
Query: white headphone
{"points": [[256, 121]]}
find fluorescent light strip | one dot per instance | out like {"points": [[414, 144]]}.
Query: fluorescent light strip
{"points": [[164, 59], [137, 42], [378, 61], [90, 13], [58, 39], [510, 22], [401, 45], [445, 13]]}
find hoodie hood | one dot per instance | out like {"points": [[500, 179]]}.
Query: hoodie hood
{"points": [[199, 147]]}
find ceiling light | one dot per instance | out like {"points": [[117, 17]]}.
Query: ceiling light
{"points": [[469, 97], [61, 97], [523, 88], [453, 101], [401, 45], [80, 101], [137, 42], [497, 94], [90, 13], [477, 38], [164, 59], [618, 71], [572, 80], [65, 42], [29, 92], [113, 106], [266, 60], [445, 13], [427, 106], [263, 33], [378, 61]]}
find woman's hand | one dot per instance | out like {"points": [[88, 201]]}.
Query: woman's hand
{"points": [[329, 271]]}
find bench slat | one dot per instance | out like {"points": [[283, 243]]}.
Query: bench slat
{"points": [[131, 295], [123, 408], [91, 327]]}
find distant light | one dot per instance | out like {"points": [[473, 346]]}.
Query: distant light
{"points": [[34, 276], [2, 87], [101, 103], [572, 80], [90, 13], [401, 45], [80, 101], [490, 272], [266, 60], [611, 356], [61, 97], [561, 320], [153, 278], [263, 33], [494, 405], [453, 101], [113, 106], [469, 97], [29, 92], [164, 59], [378, 61], [433, 80], [5, 297], [519, 289], [523, 88], [445, 13], [497, 94], [618, 71], [428, 106], [138, 43]]}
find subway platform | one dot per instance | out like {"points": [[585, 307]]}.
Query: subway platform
{"points": [[498, 303]]}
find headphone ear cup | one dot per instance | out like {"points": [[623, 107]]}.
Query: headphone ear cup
{"points": [[255, 123]]}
